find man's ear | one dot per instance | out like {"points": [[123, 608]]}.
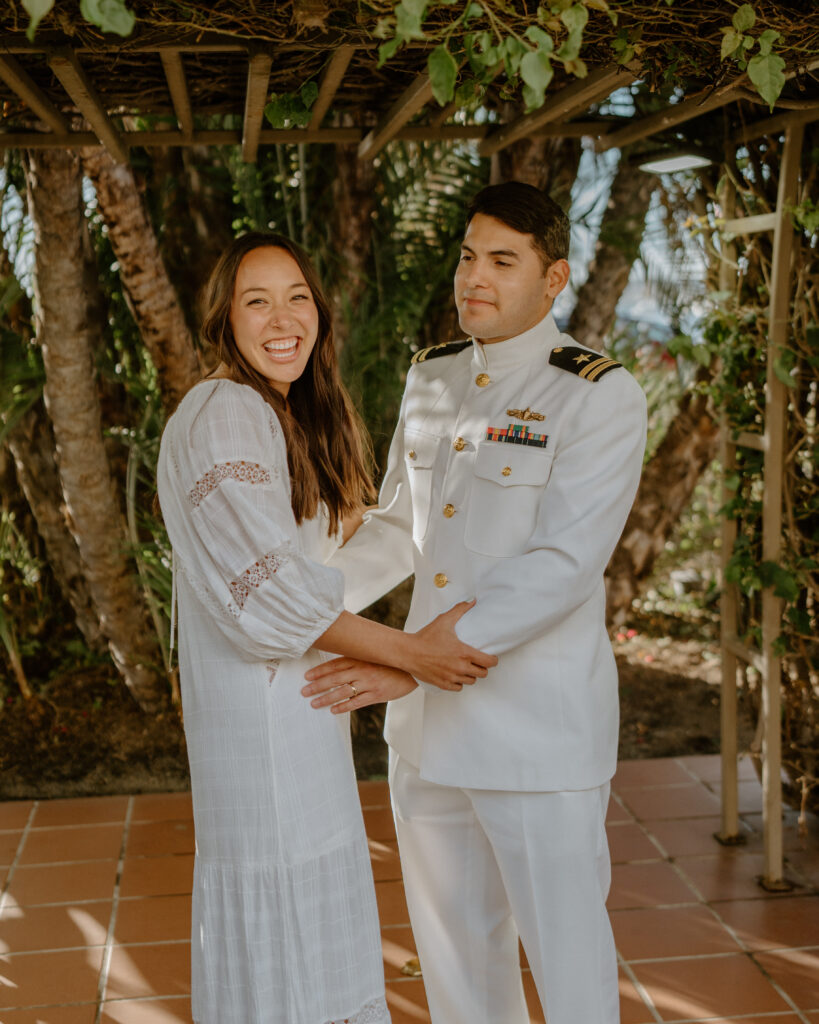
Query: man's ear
{"points": [[557, 277]]}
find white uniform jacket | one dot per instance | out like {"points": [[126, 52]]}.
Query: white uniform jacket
{"points": [[509, 480]]}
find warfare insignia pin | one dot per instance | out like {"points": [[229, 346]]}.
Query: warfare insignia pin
{"points": [[525, 414]]}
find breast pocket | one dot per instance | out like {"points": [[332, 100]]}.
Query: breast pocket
{"points": [[506, 491], [420, 451]]}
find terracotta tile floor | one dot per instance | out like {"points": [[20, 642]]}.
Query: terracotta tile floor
{"points": [[95, 907]]}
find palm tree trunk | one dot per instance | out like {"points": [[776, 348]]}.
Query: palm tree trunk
{"points": [[668, 481], [354, 197], [31, 444], [53, 179], [549, 164], [618, 246], [151, 296]]}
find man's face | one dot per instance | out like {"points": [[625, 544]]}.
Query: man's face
{"points": [[501, 288]]}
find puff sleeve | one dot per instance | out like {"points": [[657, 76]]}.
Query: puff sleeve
{"points": [[224, 489]]}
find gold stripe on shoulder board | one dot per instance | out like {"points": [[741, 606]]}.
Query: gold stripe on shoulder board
{"points": [[596, 367]]}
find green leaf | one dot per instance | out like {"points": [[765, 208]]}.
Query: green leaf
{"points": [[473, 11], [513, 50], [784, 583], [575, 18], [442, 74], [536, 72], [767, 74], [276, 111], [784, 364], [309, 94], [409, 15], [37, 10], [109, 15], [744, 18], [387, 50], [766, 41], [731, 41], [542, 40]]}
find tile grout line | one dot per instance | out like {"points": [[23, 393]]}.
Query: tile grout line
{"points": [[109, 939], [640, 990], [17, 854]]}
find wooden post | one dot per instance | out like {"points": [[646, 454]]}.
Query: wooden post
{"points": [[729, 833], [776, 404]]}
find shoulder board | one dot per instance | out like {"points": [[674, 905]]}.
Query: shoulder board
{"points": [[589, 365], [446, 348]]}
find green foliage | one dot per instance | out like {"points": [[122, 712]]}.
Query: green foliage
{"points": [[480, 38], [291, 109], [765, 68], [109, 15]]}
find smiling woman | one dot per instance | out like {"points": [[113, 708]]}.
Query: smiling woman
{"points": [[273, 316]]}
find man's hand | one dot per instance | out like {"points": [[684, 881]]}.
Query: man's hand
{"points": [[345, 684]]}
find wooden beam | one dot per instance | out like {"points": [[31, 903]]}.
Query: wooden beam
{"points": [[330, 81], [270, 136], [564, 104], [775, 124], [76, 83], [29, 92], [670, 116], [406, 106], [750, 225], [163, 139], [258, 78], [178, 88]]}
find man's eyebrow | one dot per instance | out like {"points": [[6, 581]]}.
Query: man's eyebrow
{"points": [[494, 252]]}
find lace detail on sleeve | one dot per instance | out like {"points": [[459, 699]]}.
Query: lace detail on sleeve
{"points": [[254, 576], [244, 472], [375, 1012]]}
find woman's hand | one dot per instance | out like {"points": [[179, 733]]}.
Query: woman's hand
{"points": [[440, 658], [345, 684], [350, 523]]}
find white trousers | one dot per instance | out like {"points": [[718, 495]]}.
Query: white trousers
{"points": [[482, 867]]}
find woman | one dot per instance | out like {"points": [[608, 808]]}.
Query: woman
{"points": [[260, 468]]}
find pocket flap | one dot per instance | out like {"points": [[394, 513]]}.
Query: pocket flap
{"points": [[420, 449], [508, 464]]}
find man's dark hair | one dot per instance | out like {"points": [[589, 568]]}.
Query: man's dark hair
{"points": [[526, 209]]}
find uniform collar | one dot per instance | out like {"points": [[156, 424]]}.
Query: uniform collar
{"points": [[525, 348]]}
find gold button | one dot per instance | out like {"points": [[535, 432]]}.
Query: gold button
{"points": [[560, 349], [459, 444], [482, 380], [506, 470], [412, 455], [440, 579], [449, 511]]}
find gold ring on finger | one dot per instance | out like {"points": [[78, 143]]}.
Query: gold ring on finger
{"points": [[355, 691]]}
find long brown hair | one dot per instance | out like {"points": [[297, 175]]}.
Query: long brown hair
{"points": [[328, 449]]}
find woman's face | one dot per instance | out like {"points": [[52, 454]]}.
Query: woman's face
{"points": [[273, 315]]}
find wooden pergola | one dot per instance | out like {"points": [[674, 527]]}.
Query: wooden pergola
{"points": [[207, 88]]}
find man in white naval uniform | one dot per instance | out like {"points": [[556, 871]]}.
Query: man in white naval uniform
{"points": [[512, 471]]}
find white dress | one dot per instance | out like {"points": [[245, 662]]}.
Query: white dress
{"points": [[285, 927]]}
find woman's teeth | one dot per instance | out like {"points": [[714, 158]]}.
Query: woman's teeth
{"points": [[282, 349]]}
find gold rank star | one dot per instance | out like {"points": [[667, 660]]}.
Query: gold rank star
{"points": [[582, 359]]}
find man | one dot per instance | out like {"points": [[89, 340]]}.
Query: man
{"points": [[512, 470]]}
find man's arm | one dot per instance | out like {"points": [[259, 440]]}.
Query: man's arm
{"points": [[583, 509], [379, 554]]}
